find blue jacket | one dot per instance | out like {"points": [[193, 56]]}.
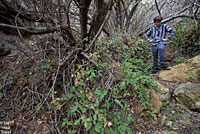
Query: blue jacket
{"points": [[158, 33]]}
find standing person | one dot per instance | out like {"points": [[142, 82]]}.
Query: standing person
{"points": [[156, 35]]}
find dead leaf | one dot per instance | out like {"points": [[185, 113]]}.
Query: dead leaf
{"points": [[89, 95]]}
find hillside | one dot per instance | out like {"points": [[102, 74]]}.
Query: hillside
{"points": [[109, 90]]}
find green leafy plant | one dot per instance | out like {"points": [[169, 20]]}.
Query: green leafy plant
{"points": [[186, 39], [180, 60], [89, 112]]}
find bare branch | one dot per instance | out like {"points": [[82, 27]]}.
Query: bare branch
{"points": [[191, 16], [157, 8], [32, 30], [131, 13]]}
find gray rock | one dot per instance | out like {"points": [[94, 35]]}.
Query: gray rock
{"points": [[188, 94]]}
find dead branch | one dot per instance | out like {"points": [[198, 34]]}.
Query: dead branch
{"points": [[157, 7], [34, 30]]}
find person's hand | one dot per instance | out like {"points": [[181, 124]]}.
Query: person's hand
{"points": [[151, 40], [163, 39]]}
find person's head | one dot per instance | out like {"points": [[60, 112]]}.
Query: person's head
{"points": [[157, 20]]}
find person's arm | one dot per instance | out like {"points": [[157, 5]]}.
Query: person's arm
{"points": [[148, 34], [171, 32]]}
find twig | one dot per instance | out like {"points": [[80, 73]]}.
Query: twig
{"points": [[17, 25]]}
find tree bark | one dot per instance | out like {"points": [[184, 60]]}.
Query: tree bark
{"points": [[84, 6], [98, 18]]}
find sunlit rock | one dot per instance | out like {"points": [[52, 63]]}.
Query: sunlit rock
{"points": [[189, 71]]}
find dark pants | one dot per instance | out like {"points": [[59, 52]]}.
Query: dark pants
{"points": [[158, 49]]}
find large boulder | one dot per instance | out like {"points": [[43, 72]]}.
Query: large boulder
{"points": [[155, 102], [189, 71], [188, 94], [163, 92]]}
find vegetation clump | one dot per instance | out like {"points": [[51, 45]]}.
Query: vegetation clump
{"points": [[87, 94], [186, 41]]}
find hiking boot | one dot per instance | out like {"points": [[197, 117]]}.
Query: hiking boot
{"points": [[165, 67], [4, 52]]}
